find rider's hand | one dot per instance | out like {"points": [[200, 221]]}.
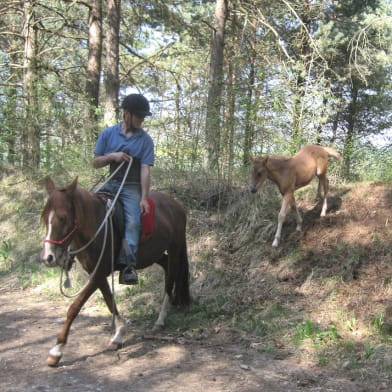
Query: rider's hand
{"points": [[144, 206], [120, 156]]}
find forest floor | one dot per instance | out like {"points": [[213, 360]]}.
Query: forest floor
{"points": [[314, 315]]}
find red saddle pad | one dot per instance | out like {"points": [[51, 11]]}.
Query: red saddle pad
{"points": [[148, 223]]}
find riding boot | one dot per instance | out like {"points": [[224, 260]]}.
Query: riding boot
{"points": [[128, 273]]}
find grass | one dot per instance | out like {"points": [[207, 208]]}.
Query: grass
{"points": [[6, 248], [21, 205], [200, 315], [319, 336]]}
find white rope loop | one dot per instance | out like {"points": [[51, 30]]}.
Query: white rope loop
{"points": [[110, 209], [103, 224]]}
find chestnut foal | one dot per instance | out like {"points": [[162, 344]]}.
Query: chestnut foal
{"points": [[290, 174]]}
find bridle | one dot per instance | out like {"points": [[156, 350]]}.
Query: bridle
{"points": [[62, 241], [104, 221], [70, 258]]}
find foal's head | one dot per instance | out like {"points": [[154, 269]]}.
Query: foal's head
{"points": [[259, 173], [60, 221]]}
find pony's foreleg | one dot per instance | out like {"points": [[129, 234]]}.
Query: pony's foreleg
{"points": [[282, 216], [116, 340], [160, 323], [56, 352]]}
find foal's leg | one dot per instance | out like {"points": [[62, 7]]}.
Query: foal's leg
{"points": [[286, 202], [119, 325], [56, 352], [319, 194], [298, 215], [325, 183]]}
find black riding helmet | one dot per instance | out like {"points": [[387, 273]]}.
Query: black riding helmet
{"points": [[136, 104]]}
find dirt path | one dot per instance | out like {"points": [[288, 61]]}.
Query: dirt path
{"points": [[29, 322]]}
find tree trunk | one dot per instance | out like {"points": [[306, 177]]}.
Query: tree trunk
{"points": [[304, 65], [350, 135], [297, 130], [228, 141], [94, 60], [112, 82], [249, 129], [30, 137], [214, 99], [10, 124], [177, 129], [229, 125]]}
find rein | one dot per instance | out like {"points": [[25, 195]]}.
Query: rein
{"points": [[110, 209], [104, 223]]}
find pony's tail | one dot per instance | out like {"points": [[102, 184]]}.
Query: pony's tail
{"points": [[333, 153], [181, 295]]}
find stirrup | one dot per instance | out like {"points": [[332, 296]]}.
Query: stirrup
{"points": [[128, 276]]}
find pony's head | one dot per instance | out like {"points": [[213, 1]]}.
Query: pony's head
{"points": [[60, 221]]}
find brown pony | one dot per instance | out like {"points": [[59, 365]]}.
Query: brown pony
{"points": [[292, 173], [72, 217]]}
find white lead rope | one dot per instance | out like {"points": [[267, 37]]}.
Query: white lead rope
{"points": [[90, 276], [110, 209]]}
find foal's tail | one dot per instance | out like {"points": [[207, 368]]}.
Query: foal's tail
{"points": [[333, 153], [181, 295]]}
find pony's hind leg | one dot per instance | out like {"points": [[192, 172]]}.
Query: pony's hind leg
{"points": [[160, 322], [175, 265], [116, 340]]}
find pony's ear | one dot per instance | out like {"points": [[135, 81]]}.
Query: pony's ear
{"points": [[71, 187], [49, 184]]}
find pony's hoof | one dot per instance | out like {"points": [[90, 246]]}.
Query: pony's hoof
{"points": [[114, 346], [157, 328], [53, 360]]}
